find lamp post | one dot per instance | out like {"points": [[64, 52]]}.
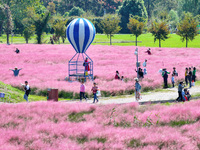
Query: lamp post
{"points": [[137, 64]]}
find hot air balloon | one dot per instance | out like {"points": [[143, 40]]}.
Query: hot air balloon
{"points": [[80, 33]]}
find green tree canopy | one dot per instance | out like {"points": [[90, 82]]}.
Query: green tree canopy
{"points": [[60, 29], [29, 29], [160, 31], [131, 7], [8, 22], [40, 18], [2, 18], [187, 28], [76, 11], [110, 25], [136, 27]]}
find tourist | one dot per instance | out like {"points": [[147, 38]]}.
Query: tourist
{"points": [[144, 65], [173, 81], [194, 75], [94, 91], [16, 71], [82, 91], [180, 89], [186, 76], [186, 94], [27, 90], [165, 77], [117, 76], [174, 72], [17, 51], [148, 51], [190, 78], [137, 89], [122, 78], [140, 73], [87, 67], [51, 40]]}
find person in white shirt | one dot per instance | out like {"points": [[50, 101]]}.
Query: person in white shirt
{"points": [[145, 65]]}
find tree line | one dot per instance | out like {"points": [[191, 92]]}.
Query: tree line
{"points": [[160, 17]]}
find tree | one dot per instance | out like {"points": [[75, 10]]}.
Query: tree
{"points": [[136, 27], [76, 11], [60, 30], [131, 7], [29, 29], [2, 18], [8, 23], [110, 25], [187, 29], [173, 20], [40, 17], [159, 31]]}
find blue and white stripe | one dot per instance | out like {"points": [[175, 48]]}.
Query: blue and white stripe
{"points": [[80, 33]]}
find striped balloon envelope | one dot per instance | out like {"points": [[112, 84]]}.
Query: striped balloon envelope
{"points": [[80, 33]]}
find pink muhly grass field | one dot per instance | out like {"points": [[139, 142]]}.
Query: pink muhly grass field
{"points": [[58, 126], [46, 66]]}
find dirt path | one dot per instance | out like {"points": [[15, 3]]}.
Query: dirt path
{"points": [[164, 95]]}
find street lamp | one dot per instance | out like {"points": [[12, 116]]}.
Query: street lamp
{"points": [[137, 63]]}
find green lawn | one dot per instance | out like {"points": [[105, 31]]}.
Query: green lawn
{"points": [[15, 95], [146, 39]]}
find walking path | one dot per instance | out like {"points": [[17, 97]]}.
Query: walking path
{"points": [[165, 95]]}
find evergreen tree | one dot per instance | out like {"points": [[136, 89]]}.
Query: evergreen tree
{"points": [[187, 28], [110, 25], [2, 18], [131, 7], [8, 23], [136, 27], [160, 31]]}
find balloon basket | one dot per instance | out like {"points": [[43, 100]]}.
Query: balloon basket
{"points": [[78, 70]]}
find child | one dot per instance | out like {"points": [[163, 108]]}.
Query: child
{"points": [[173, 80], [82, 91], [122, 78], [137, 89], [94, 90]]}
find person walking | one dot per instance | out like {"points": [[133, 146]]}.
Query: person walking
{"points": [[16, 71], [94, 91], [27, 90], [190, 78], [137, 89], [180, 89], [82, 91]]}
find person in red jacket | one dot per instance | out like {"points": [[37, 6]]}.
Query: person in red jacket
{"points": [[117, 76], [87, 66]]}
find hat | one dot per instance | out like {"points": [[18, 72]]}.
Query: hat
{"points": [[136, 79]]}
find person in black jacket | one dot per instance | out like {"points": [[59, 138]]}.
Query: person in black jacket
{"points": [[27, 90], [165, 77]]}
